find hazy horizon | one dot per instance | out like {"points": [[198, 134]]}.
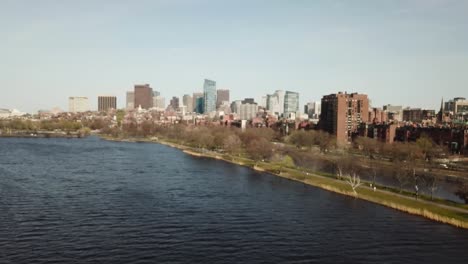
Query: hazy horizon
{"points": [[409, 53]]}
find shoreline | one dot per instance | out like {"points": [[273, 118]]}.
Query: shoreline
{"points": [[430, 210]]}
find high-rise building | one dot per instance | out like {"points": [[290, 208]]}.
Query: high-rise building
{"points": [[313, 109], [343, 113], [195, 97], [291, 103], [130, 104], [248, 101], [263, 101], [199, 105], [275, 102], [174, 104], [188, 102], [106, 102], [143, 96], [209, 96], [235, 106], [78, 104], [159, 103], [248, 111], [222, 95]]}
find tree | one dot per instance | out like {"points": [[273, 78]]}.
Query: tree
{"points": [[400, 174], [374, 170], [431, 183], [368, 145], [286, 161], [354, 181], [425, 145], [344, 165], [233, 145], [324, 140], [462, 191], [260, 149]]}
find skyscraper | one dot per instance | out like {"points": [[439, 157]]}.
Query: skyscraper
{"points": [[130, 100], [107, 102], [342, 113], [222, 95], [313, 109], [174, 103], [78, 104], [291, 103], [209, 96], [275, 102], [199, 105], [143, 96], [188, 102], [195, 98], [159, 103]]}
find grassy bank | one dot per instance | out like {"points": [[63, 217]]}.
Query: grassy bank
{"points": [[441, 212]]}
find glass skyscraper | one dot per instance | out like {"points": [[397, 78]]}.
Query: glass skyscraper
{"points": [[209, 96], [291, 103]]}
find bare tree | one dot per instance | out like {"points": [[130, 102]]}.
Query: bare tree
{"points": [[344, 165], [432, 183], [400, 174], [260, 150], [354, 181], [233, 145]]}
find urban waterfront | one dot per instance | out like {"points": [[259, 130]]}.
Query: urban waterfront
{"points": [[94, 201]]}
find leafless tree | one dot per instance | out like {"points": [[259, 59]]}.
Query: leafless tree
{"points": [[432, 183], [354, 181]]}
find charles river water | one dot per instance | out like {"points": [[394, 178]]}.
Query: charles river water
{"points": [[94, 201]]}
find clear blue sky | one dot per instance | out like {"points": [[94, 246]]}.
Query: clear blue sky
{"points": [[409, 52]]}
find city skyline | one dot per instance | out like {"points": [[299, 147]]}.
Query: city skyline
{"points": [[394, 51]]}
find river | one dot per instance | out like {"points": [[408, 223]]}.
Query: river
{"points": [[95, 201]]}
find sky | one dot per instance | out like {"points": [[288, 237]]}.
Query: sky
{"points": [[408, 52]]}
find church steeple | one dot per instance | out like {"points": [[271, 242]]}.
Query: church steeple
{"points": [[440, 115]]}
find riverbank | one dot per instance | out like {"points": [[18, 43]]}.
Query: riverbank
{"points": [[455, 216], [41, 134]]}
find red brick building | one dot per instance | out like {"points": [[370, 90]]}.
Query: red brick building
{"points": [[342, 114]]}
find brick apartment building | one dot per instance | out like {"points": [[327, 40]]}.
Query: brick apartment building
{"points": [[343, 113]]}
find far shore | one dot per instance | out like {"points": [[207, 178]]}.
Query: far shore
{"points": [[456, 216]]}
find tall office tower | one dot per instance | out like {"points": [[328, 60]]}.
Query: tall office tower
{"points": [[209, 96], [107, 102], [248, 111], [78, 104], [130, 104], [188, 102], [143, 96], [263, 101], [235, 106], [342, 113], [222, 95], [291, 103], [159, 103], [275, 102], [195, 96], [313, 109], [199, 105], [174, 103]]}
